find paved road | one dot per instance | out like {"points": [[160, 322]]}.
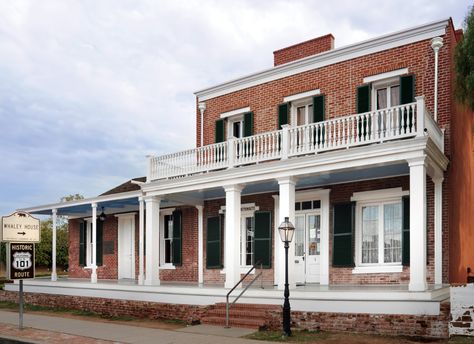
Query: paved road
{"points": [[49, 329]]}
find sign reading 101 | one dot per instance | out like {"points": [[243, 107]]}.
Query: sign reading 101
{"points": [[22, 258]]}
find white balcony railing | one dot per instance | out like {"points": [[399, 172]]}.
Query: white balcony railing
{"points": [[394, 123]]}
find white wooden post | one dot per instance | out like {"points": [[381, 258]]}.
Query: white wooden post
{"points": [[438, 225], [231, 152], [324, 253], [94, 243], [232, 234], [420, 115], [417, 225], [152, 273], [200, 209], [285, 142], [278, 247], [287, 209], [141, 238], [54, 275]]}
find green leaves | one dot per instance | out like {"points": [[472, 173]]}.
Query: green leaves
{"points": [[464, 63]]}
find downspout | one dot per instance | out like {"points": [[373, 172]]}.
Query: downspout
{"points": [[436, 44], [202, 108]]}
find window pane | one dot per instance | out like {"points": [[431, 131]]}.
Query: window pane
{"points": [[250, 231], [300, 115], [310, 114], [370, 237], [392, 233], [299, 235], [306, 205], [314, 235], [236, 129], [395, 95], [381, 98]]}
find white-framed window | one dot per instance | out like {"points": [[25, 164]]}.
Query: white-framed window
{"points": [[379, 220], [302, 112], [90, 244], [235, 127], [168, 239], [386, 93], [247, 235]]}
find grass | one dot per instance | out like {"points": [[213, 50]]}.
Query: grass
{"points": [[297, 336]]}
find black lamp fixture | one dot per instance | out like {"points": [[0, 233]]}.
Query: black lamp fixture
{"points": [[287, 230], [102, 215]]}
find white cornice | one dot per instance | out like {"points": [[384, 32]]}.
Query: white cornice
{"points": [[393, 40]]}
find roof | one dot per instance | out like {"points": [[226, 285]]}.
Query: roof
{"points": [[126, 187]]}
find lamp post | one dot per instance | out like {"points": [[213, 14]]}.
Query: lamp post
{"points": [[286, 230]]}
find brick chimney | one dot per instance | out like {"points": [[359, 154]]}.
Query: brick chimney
{"points": [[298, 51]]}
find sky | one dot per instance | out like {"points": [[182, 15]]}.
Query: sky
{"points": [[89, 88]]}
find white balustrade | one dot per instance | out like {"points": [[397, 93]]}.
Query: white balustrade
{"points": [[408, 120]]}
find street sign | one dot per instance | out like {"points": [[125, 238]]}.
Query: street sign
{"points": [[22, 261], [20, 227]]}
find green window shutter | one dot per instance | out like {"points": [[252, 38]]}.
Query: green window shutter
{"points": [[343, 252], [406, 230], [363, 99], [213, 243], [219, 130], [82, 243], [263, 239], [177, 237], [248, 124], [318, 108], [99, 242], [407, 89], [283, 114]]}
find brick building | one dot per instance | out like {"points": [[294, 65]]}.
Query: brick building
{"points": [[362, 147]]}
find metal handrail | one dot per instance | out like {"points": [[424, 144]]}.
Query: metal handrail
{"points": [[227, 305]]}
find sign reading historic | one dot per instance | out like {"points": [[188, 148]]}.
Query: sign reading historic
{"points": [[20, 227], [22, 261]]}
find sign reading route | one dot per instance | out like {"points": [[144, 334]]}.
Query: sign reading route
{"points": [[20, 227], [22, 261]]}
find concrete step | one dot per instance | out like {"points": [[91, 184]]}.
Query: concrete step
{"points": [[237, 313], [249, 306], [256, 324]]}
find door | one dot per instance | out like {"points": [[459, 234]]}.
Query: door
{"points": [[307, 248], [126, 247]]}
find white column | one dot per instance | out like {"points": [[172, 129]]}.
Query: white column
{"points": [[277, 244], [54, 275], [232, 234], [417, 225], [324, 254], [287, 209], [141, 240], [94, 243], [152, 273], [200, 209], [438, 229]]}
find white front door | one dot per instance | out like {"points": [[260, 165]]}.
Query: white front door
{"points": [[307, 248], [126, 247]]}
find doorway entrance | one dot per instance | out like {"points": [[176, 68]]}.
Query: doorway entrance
{"points": [[307, 247], [126, 246]]}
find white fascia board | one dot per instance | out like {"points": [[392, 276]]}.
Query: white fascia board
{"points": [[235, 112], [375, 195], [299, 96], [386, 75], [113, 197], [360, 157], [393, 40]]}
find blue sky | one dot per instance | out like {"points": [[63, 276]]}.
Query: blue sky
{"points": [[88, 88]]}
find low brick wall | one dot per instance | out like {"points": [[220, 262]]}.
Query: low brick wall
{"points": [[386, 324]]}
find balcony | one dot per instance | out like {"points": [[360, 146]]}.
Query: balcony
{"points": [[396, 123]]}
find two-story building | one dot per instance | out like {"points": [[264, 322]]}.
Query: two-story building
{"points": [[355, 145]]}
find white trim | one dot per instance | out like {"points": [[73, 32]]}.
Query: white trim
{"points": [[381, 43], [377, 269], [300, 96], [234, 112], [386, 75], [167, 266], [378, 195], [125, 215], [245, 208]]}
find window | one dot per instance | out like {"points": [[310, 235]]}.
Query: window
{"points": [[168, 239], [381, 233], [247, 236], [302, 112], [386, 93], [90, 244], [235, 127]]}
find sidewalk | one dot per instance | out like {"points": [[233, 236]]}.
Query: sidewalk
{"points": [[51, 330]]}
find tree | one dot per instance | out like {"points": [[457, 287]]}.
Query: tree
{"points": [[464, 59]]}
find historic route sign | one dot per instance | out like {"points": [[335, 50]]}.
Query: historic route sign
{"points": [[20, 227], [22, 261]]}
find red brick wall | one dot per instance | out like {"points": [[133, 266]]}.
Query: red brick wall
{"points": [[298, 51]]}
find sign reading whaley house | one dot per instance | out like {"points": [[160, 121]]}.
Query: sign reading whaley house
{"points": [[20, 227], [22, 261]]}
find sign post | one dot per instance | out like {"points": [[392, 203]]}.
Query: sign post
{"points": [[22, 230]]}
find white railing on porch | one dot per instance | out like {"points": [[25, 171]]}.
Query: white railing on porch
{"points": [[408, 120]]}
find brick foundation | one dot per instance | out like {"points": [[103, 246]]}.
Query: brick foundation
{"points": [[394, 325]]}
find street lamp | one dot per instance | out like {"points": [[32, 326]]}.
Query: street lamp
{"points": [[286, 230]]}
